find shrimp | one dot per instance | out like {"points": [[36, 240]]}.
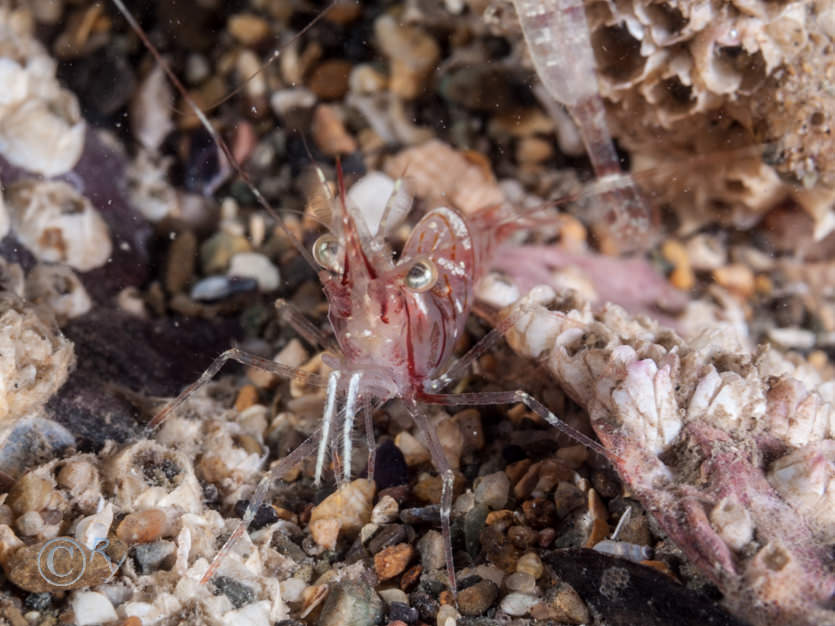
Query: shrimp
{"points": [[395, 323]]}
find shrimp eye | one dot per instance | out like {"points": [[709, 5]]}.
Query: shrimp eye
{"points": [[421, 276], [326, 252]]}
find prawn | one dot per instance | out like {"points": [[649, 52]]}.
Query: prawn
{"points": [[395, 323]]}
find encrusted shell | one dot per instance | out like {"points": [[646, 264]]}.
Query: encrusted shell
{"points": [[41, 128], [57, 287], [58, 224], [35, 358]]}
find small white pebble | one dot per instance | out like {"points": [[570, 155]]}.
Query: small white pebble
{"points": [[257, 266], [447, 616], [385, 511], [291, 589], [254, 614], [530, 563], [517, 604], [91, 607], [394, 595]]}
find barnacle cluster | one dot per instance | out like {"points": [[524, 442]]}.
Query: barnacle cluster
{"points": [[744, 84], [41, 128], [35, 358], [731, 451]]}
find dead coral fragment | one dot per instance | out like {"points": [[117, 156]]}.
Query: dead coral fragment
{"points": [[35, 358], [701, 470], [58, 224]]}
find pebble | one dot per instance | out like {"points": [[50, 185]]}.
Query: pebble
{"points": [[737, 278], [30, 493], [21, 566], [452, 441], [179, 266], [562, 604], [284, 101], [247, 396], [329, 132], [385, 511], [291, 589], [413, 450], [521, 582], [142, 527], [365, 79], [682, 276], [348, 508], [476, 599], [219, 287], [521, 123], [492, 490], [599, 514], [530, 563], [402, 612], [431, 550], [238, 593], [393, 595], [218, 250], [469, 422], [412, 52], [255, 265], [77, 475], [410, 577], [533, 150], [567, 497], [150, 556], [386, 537], [329, 79], [518, 604], [393, 560], [91, 607], [706, 252], [473, 524], [539, 512], [247, 28], [351, 603], [29, 524], [447, 616]]}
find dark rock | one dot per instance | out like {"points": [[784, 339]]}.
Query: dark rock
{"points": [[390, 467], [623, 593], [426, 606], [403, 612], [264, 516], [38, 601], [388, 535], [86, 75], [237, 592], [475, 600], [473, 525], [351, 603], [421, 515], [150, 556]]}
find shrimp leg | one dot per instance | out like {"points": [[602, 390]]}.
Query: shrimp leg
{"points": [[448, 478], [490, 398], [302, 451], [244, 358]]}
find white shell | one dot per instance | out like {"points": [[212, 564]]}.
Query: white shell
{"points": [[41, 128], [58, 224], [57, 287]]}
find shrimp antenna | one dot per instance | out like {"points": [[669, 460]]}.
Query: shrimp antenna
{"points": [[214, 134]]}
